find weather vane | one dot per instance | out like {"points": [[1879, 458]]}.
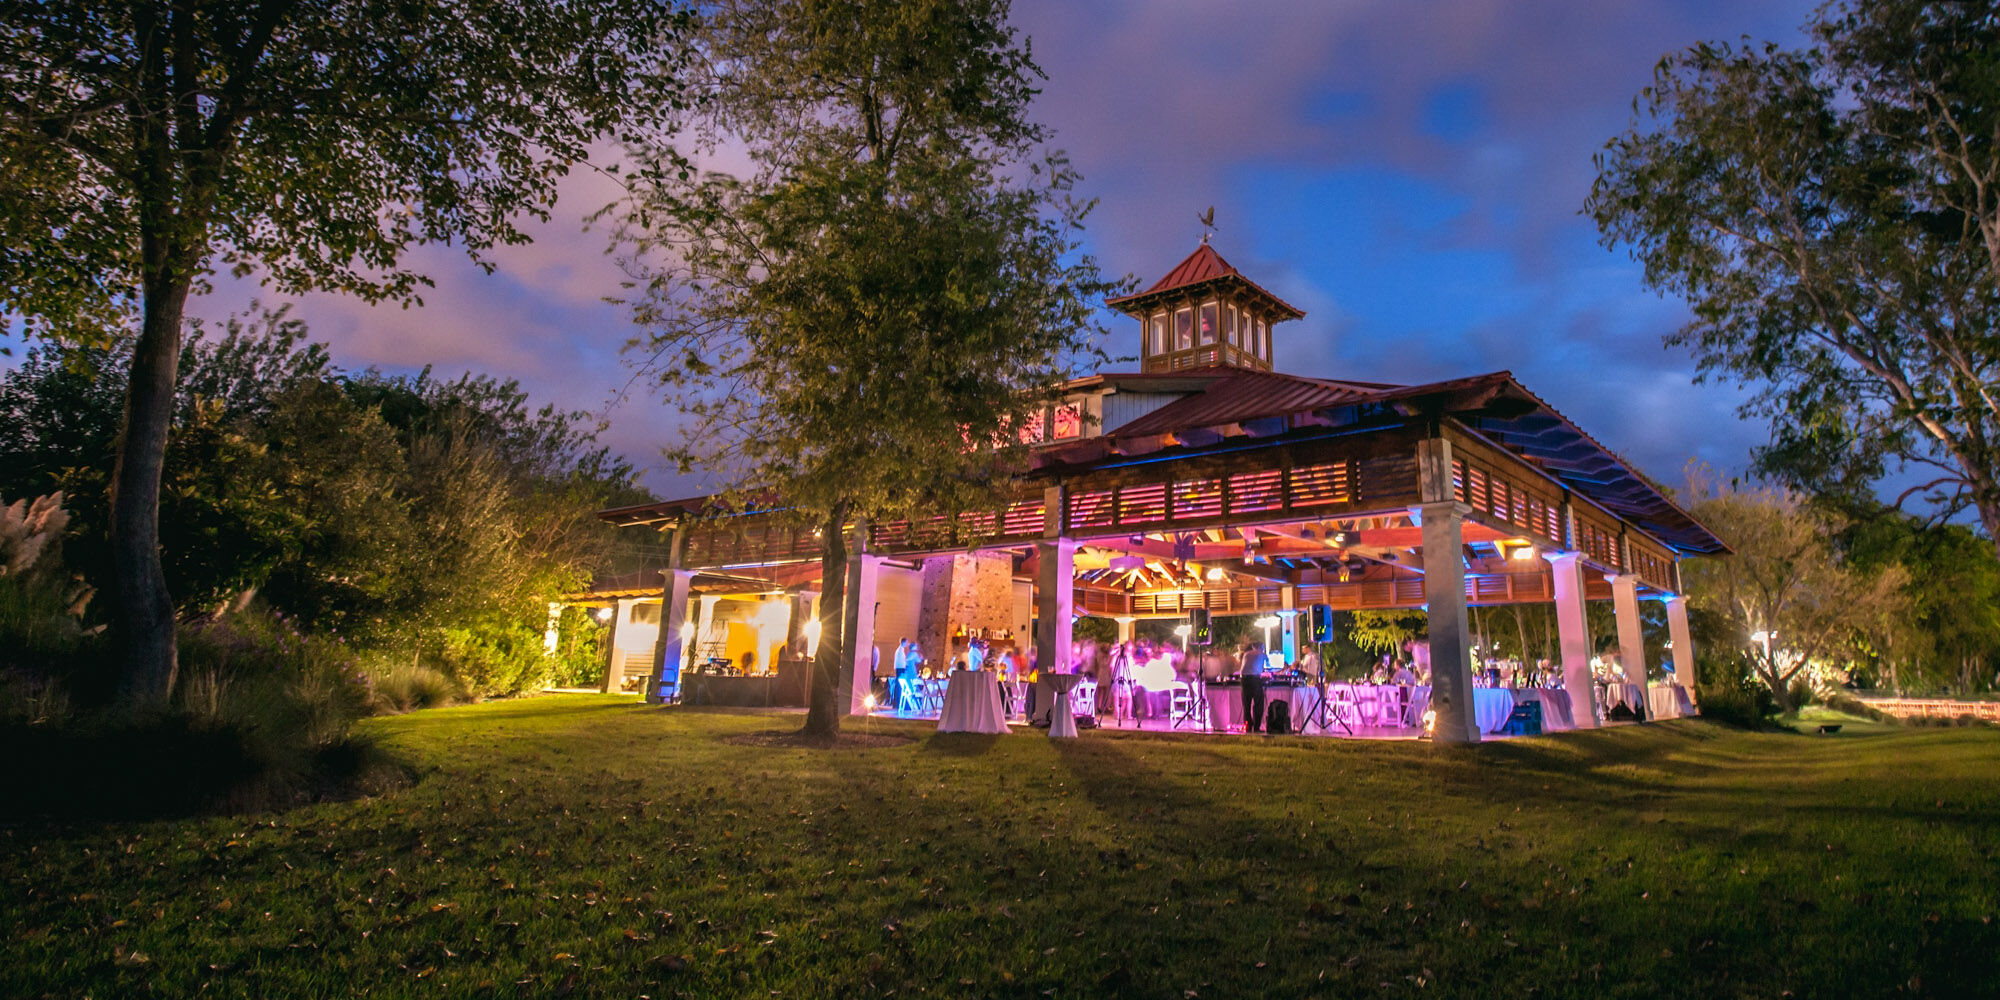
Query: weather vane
{"points": [[1207, 224]]}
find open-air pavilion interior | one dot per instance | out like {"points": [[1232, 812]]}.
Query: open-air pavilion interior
{"points": [[1204, 482]]}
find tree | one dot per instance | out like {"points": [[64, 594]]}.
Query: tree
{"points": [[1386, 632], [312, 140], [1786, 592], [1951, 629], [412, 517], [860, 325], [1832, 216]]}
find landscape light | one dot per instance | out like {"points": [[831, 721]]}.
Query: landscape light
{"points": [[604, 614], [1267, 623], [811, 631]]}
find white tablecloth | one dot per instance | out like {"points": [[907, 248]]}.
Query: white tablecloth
{"points": [[972, 704], [1380, 705], [1491, 707], [1668, 701], [1618, 693], [1225, 705], [1556, 714]]}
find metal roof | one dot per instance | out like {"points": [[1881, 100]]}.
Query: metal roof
{"points": [[1201, 267], [1240, 395]]}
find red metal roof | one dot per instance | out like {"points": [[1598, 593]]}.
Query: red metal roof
{"points": [[1204, 264], [1245, 395], [1200, 267]]}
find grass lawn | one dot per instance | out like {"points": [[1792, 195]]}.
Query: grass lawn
{"points": [[580, 845]]}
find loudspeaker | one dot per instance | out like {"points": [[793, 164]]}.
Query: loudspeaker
{"points": [[1203, 633], [1321, 624]]}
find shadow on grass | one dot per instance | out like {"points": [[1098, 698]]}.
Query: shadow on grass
{"points": [[961, 744]]}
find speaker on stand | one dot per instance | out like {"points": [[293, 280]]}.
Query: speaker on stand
{"points": [[1201, 632]]}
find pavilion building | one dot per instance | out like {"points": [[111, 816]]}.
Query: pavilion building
{"points": [[1205, 480]]}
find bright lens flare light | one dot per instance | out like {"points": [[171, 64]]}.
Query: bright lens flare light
{"points": [[604, 614]]}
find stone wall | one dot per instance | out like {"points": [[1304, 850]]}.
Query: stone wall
{"points": [[970, 591]]}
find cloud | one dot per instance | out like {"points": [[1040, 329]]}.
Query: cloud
{"points": [[1408, 172]]}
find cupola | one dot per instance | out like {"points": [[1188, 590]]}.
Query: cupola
{"points": [[1205, 313]]}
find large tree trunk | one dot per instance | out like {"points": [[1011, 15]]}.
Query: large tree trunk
{"points": [[145, 611], [822, 708]]}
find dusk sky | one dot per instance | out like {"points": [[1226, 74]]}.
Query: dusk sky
{"points": [[1409, 173]]}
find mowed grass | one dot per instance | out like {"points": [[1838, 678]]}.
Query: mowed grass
{"points": [[590, 846]]}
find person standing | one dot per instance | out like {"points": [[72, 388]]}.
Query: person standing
{"points": [[1254, 665]]}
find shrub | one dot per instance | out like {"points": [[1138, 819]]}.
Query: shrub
{"points": [[406, 687], [493, 661], [291, 694]]}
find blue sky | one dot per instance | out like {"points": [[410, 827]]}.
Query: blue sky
{"points": [[1410, 173]]}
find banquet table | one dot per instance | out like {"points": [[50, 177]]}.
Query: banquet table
{"points": [[1556, 714], [1491, 707], [972, 703], [1618, 693], [1377, 705], [1668, 701], [1225, 704]]}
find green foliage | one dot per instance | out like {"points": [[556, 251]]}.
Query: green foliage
{"points": [[1787, 578], [291, 695], [407, 687], [1949, 636], [434, 518], [312, 142], [1832, 216], [895, 284], [42, 637], [1379, 632], [261, 716]]}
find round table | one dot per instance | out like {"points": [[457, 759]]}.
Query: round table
{"points": [[1491, 707], [972, 703], [1556, 714], [1618, 693], [1062, 721], [1668, 701]]}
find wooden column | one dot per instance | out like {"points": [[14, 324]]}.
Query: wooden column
{"points": [[1566, 568]]}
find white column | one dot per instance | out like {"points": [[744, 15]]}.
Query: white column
{"points": [[1055, 582], [1128, 628], [1631, 641], [614, 664], [1567, 570], [671, 647], [1444, 592], [857, 630], [1288, 623], [1677, 630]]}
